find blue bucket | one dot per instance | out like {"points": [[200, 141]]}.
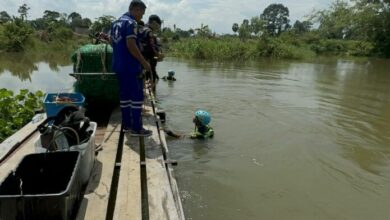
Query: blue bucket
{"points": [[55, 102]]}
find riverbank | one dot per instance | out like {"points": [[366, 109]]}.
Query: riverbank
{"points": [[36, 43], [225, 48], [36, 46], [284, 47]]}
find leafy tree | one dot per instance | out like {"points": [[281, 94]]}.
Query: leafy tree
{"points": [[4, 17], [369, 19], [77, 21], [74, 15], [364, 20], [63, 19], [383, 38], [51, 16], [235, 27], [374, 20], [182, 33], [191, 31], [336, 22], [203, 31], [16, 35], [102, 24], [38, 24], [257, 25], [302, 27], [244, 31], [23, 11], [167, 34], [86, 22], [276, 17]]}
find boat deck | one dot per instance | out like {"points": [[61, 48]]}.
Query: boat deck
{"points": [[132, 177]]}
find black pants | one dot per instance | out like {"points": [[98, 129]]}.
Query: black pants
{"points": [[153, 65]]}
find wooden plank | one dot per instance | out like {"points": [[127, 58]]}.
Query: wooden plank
{"points": [[95, 201], [172, 179], [91, 74], [128, 201], [170, 173], [12, 162], [9, 144], [160, 197]]}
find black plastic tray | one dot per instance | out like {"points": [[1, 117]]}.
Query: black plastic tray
{"points": [[43, 186]]}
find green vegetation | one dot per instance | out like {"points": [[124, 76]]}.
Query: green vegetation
{"points": [[230, 48], [288, 45], [54, 31], [347, 28], [17, 110]]}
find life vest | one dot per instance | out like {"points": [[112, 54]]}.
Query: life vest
{"points": [[200, 133], [149, 46]]}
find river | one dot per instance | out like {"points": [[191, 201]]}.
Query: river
{"points": [[293, 139]]}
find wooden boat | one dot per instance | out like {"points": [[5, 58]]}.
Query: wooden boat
{"points": [[132, 178]]}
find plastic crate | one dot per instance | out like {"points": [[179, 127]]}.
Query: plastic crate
{"points": [[52, 107], [43, 186], [87, 151]]}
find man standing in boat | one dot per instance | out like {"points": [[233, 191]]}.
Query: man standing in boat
{"points": [[127, 64], [150, 49]]}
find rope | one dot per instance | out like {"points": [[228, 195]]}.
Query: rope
{"points": [[78, 61], [103, 57]]}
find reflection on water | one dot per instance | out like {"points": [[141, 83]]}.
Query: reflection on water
{"points": [[36, 71], [23, 65], [18, 65], [294, 140]]}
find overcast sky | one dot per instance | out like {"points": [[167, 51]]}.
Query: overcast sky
{"points": [[218, 14]]}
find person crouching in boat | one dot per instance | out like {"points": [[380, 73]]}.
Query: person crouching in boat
{"points": [[170, 76], [202, 129]]}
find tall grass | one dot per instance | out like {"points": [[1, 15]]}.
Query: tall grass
{"points": [[284, 47], [232, 48]]}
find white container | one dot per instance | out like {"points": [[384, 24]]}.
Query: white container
{"points": [[87, 151]]}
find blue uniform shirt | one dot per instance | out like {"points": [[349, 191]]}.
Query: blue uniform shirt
{"points": [[122, 29]]}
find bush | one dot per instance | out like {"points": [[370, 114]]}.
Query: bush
{"points": [[61, 34], [279, 48], [343, 47], [16, 35]]}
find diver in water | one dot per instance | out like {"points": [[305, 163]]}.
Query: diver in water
{"points": [[170, 76], [202, 128]]}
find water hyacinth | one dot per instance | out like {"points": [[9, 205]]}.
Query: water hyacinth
{"points": [[16, 110]]}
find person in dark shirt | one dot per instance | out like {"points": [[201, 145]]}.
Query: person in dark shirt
{"points": [[151, 49]]}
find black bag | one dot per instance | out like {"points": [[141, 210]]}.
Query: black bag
{"points": [[71, 121]]}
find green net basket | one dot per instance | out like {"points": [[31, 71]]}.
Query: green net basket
{"points": [[92, 66], [92, 58]]}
